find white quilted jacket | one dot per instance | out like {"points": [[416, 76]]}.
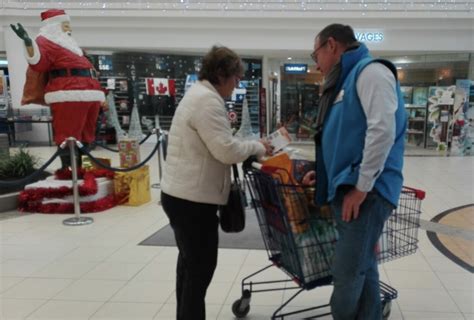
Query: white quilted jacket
{"points": [[201, 148]]}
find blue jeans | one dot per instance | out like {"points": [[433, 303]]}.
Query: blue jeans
{"points": [[355, 273]]}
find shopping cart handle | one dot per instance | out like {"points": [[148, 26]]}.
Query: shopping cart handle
{"points": [[419, 194], [268, 169]]}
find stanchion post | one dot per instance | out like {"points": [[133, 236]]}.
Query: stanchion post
{"points": [[160, 153], [77, 220], [159, 139]]}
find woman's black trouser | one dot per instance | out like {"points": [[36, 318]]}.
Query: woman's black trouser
{"points": [[195, 227]]}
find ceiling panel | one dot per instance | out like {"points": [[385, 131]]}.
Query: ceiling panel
{"points": [[265, 6]]}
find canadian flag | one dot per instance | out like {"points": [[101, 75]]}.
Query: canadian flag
{"points": [[160, 87]]}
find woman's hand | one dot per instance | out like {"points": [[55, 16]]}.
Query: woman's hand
{"points": [[268, 147], [309, 178]]}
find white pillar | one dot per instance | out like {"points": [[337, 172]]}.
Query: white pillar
{"points": [[17, 64]]}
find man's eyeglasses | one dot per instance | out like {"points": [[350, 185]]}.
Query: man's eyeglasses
{"points": [[314, 54]]}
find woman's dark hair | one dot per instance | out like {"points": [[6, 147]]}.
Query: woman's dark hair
{"points": [[220, 61], [341, 33]]}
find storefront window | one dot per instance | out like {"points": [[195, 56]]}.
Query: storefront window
{"points": [[156, 83], [434, 123], [300, 89], [437, 94]]}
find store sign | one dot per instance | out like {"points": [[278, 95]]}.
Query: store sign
{"points": [[190, 80], [239, 93], [296, 68], [105, 63], [370, 36]]}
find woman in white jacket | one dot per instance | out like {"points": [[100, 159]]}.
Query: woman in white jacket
{"points": [[196, 177]]}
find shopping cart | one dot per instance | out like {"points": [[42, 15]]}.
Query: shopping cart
{"points": [[300, 239]]}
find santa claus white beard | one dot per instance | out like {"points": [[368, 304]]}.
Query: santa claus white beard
{"points": [[54, 33]]}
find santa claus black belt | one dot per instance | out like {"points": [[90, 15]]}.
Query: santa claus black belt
{"points": [[89, 73]]}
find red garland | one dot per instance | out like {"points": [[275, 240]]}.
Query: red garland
{"points": [[86, 207], [87, 188], [30, 199], [66, 174]]}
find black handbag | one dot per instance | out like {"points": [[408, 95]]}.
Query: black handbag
{"points": [[232, 215]]}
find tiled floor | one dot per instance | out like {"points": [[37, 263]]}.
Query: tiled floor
{"points": [[51, 271], [461, 248]]}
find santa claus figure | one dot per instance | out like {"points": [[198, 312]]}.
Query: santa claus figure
{"points": [[72, 89]]}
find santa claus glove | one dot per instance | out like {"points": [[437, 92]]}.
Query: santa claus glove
{"points": [[22, 34]]}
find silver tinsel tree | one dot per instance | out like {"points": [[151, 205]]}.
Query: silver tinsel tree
{"points": [[135, 129], [112, 118], [245, 130]]}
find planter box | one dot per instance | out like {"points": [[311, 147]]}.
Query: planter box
{"points": [[9, 195], [9, 201]]}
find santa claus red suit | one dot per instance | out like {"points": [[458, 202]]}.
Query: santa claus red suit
{"points": [[72, 91]]}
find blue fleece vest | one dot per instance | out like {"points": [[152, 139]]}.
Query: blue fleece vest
{"points": [[343, 136]]}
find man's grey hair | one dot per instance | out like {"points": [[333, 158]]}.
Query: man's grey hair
{"points": [[343, 34]]}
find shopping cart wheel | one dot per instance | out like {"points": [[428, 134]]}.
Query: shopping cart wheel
{"points": [[386, 309], [238, 311]]}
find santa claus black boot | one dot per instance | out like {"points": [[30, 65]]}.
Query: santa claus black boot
{"points": [[65, 158]]}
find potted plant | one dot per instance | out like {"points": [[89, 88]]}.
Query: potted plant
{"points": [[15, 167]]}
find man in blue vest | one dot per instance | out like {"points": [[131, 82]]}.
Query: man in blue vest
{"points": [[359, 158]]}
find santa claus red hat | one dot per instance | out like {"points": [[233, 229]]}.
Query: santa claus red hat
{"points": [[54, 16]]}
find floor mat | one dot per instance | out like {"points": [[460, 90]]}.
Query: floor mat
{"points": [[250, 238]]}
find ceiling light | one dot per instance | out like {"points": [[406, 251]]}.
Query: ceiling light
{"points": [[402, 61]]}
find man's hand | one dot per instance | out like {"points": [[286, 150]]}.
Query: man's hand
{"points": [[309, 178], [351, 204], [22, 34]]}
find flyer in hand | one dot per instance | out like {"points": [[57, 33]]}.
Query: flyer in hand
{"points": [[279, 139]]}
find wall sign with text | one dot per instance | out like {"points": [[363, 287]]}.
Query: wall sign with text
{"points": [[296, 68], [370, 36]]}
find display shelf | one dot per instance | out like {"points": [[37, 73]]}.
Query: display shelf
{"points": [[414, 106], [120, 88], [414, 132], [417, 117], [299, 107]]}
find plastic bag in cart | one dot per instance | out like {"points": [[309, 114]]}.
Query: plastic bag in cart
{"points": [[310, 257]]}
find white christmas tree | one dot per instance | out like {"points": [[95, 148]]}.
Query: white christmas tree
{"points": [[245, 130], [135, 129], [112, 118]]}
